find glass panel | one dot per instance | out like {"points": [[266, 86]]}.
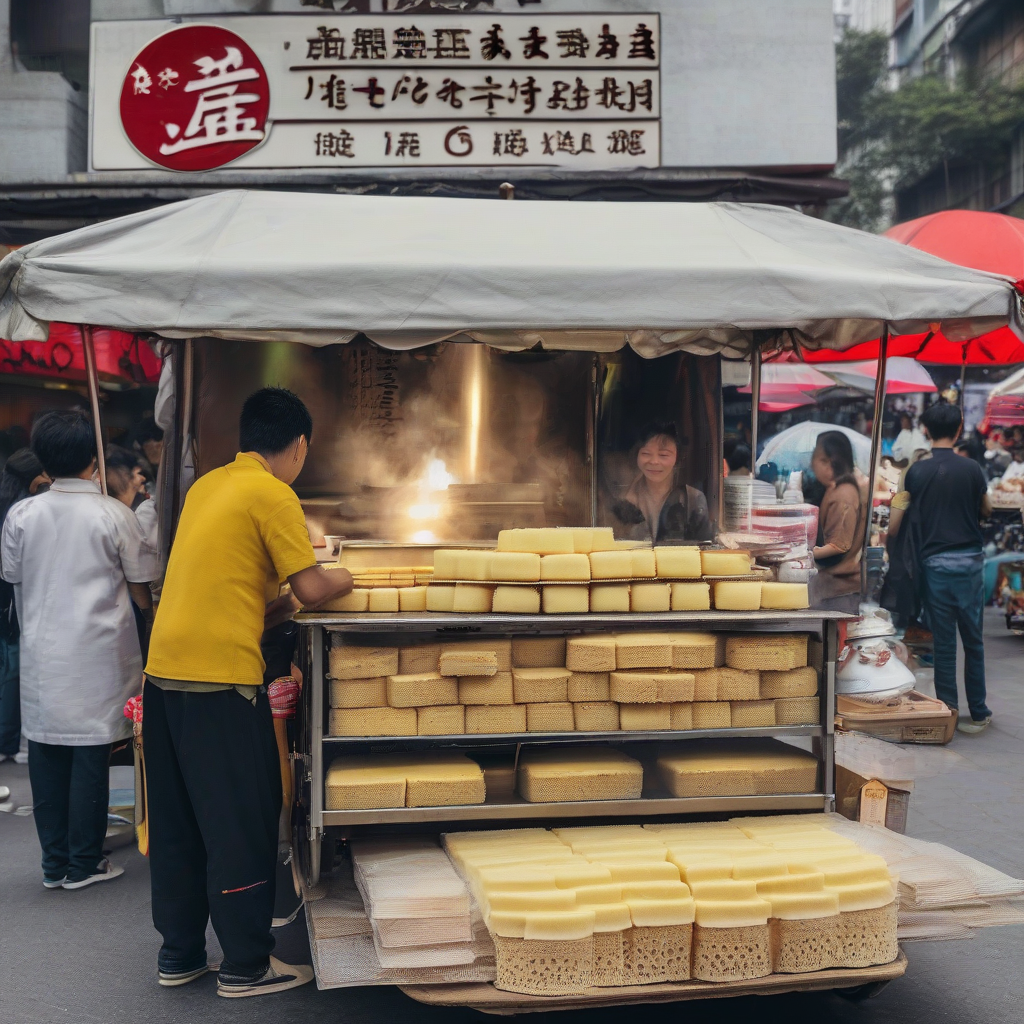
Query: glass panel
{"points": [[677, 393], [446, 443]]}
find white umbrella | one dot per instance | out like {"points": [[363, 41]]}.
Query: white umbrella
{"points": [[902, 375], [791, 449]]}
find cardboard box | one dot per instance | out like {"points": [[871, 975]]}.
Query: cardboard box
{"points": [[859, 799]]}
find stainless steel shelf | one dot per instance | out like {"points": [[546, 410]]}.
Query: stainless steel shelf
{"points": [[521, 810], [337, 744], [426, 622]]}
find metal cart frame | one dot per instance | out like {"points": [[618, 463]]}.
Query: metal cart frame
{"points": [[314, 748]]}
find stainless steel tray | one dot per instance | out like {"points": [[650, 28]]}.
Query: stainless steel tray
{"points": [[420, 622], [521, 810], [339, 744]]}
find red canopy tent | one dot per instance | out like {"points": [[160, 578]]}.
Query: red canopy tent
{"points": [[996, 347], [972, 238]]}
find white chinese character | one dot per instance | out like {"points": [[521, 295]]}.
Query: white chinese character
{"points": [[220, 109], [221, 72], [167, 78], [142, 81]]}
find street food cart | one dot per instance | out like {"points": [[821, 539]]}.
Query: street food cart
{"points": [[474, 346]]}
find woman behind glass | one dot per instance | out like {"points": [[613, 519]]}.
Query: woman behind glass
{"points": [[657, 507], [22, 477]]}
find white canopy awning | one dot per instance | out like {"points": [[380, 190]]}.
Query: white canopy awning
{"points": [[319, 268]]}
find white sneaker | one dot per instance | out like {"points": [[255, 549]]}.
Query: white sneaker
{"points": [[21, 757], [54, 883], [972, 727], [5, 792], [105, 871]]}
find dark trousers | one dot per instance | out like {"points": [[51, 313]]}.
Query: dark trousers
{"points": [[10, 698], [214, 786], [954, 598], [70, 789]]}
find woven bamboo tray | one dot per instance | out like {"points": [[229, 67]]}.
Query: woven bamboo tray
{"points": [[487, 999]]}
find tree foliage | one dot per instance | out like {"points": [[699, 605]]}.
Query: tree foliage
{"points": [[861, 59], [891, 139]]}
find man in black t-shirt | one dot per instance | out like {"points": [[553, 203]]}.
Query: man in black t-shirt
{"points": [[948, 496]]}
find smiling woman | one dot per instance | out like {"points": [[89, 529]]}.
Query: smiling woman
{"points": [[657, 507]]}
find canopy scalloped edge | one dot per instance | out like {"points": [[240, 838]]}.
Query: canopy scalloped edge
{"points": [[730, 342]]}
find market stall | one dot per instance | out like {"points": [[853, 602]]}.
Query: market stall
{"points": [[510, 658]]}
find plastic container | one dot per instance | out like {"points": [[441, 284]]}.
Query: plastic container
{"points": [[792, 524]]}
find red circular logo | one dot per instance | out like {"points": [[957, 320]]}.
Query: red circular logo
{"points": [[194, 98]]}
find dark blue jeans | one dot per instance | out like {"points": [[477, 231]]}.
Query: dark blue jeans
{"points": [[10, 699], [954, 594], [70, 790]]}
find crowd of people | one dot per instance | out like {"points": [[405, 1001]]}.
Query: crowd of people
{"points": [[78, 568], [935, 578]]}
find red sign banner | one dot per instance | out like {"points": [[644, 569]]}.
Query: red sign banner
{"points": [[119, 356]]}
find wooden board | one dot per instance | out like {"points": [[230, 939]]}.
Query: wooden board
{"points": [[487, 999], [913, 718]]}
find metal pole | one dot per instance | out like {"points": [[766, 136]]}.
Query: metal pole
{"points": [[316, 766], [94, 401], [183, 399], [593, 424], [876, 442], [755, 400], [963, 376]]}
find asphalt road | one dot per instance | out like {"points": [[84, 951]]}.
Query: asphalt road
{"points": [[90, 956]]}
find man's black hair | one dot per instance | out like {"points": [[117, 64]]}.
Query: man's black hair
{"points": [[120, 458], [121, 463], [272, 419], [149, 431], [64, 442], [942, 420], [21, 469], [738, 458]]}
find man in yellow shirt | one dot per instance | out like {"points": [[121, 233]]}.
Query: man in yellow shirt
{"points": [[213, 777]]}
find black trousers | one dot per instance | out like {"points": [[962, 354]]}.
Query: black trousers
{"points": [[214, 786], [70, 790]]}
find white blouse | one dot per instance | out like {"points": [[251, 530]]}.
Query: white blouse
{"points": [[70, 554]]}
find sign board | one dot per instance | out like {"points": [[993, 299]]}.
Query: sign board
{"points": [[570, 90], [874, 796]]}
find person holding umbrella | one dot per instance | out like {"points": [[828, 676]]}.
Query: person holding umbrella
{"points": [[840, 524]]}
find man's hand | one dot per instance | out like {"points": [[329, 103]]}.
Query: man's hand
{"points": [[142, 596], [315, 585], [280, 610]]}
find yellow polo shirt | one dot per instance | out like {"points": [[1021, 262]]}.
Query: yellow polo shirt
{"points": [[241, 534]]}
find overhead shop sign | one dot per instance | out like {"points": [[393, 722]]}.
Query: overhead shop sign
{"points": [[572, 90]]}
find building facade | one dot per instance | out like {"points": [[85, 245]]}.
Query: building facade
{"points": [[864, 15], [119, 105], [963, 40]]}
